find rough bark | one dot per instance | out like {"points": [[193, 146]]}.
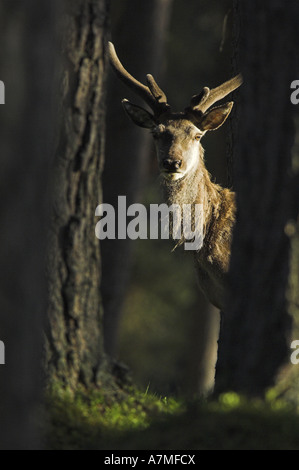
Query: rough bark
{"points": [[74, 334], [26, 63], [254, 335], [138, 31], [234, 117]]}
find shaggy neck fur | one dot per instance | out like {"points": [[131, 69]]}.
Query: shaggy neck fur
{"points": [[195, 188], [218, 211], [212, 260]]}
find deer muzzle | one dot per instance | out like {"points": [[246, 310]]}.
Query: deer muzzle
{"points": [[172, 165], [171, 169]]}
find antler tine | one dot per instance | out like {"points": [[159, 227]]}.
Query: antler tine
{"points": [[152, 95], [156, 91], [142, 90], [208, 97]]}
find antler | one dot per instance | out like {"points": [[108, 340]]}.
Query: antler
{"points": [[208, 97], [151, 94]]}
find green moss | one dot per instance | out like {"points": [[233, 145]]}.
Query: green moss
{"points": [[83, 420], [136, 420]]}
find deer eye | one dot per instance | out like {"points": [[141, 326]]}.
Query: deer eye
{"points": [[197, 137]]}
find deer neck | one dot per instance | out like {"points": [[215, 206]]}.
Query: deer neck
{"points": [[196, 188]]}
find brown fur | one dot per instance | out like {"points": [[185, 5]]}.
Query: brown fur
{"points": [[185, 177], [212, 260]]}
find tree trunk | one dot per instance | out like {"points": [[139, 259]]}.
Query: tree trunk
{"points": [[27, 63], [139, 31], [254, 338], [75, 335]]}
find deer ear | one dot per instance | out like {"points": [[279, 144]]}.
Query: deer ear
{"points": [[214, 118], [139, 116]]}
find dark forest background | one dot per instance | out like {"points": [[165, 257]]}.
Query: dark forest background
{"points": [[167, 331], [85, 323]]}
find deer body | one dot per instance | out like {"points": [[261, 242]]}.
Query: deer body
{"points": [[185, 179], [212, 260]]}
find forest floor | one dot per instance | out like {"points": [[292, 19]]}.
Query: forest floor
{"points": [[136, 420]]}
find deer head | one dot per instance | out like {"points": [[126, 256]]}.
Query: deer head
{"points": [[177, 135]]}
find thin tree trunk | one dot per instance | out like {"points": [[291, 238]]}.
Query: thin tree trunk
{"points": [[139, 35], [75, 335], [27, 63], [254, 336]]}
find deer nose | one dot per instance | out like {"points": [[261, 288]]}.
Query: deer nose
{"points": [[172, 165]]}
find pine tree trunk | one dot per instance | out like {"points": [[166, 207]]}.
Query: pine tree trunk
{"points": [[75, 335], [254, 340]]}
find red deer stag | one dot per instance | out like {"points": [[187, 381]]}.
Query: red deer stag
{"points": [[185, 179]]}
